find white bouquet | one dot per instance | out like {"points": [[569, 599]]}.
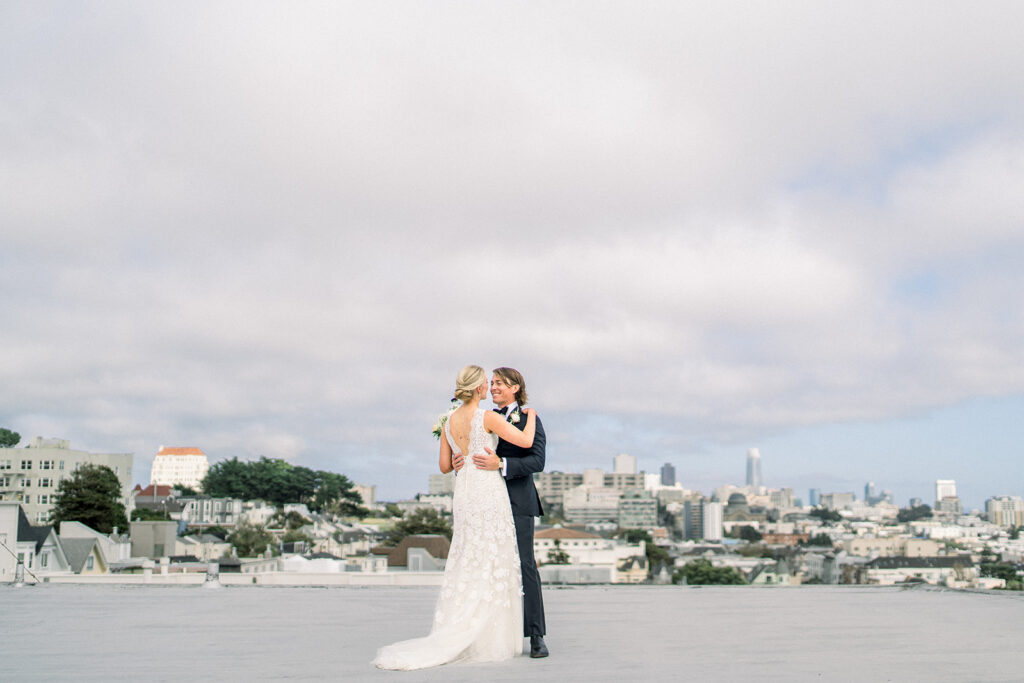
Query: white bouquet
{"points": [[443, 417]]}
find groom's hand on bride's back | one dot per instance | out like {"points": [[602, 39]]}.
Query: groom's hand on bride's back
{"points": [[486, 462], [458, 460]]}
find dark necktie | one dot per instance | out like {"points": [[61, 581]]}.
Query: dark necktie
{"points": [[501, 411]]}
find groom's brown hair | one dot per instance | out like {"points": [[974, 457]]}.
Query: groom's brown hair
{"points": [[511, 376]]}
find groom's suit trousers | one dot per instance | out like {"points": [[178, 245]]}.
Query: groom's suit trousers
{"points": [[533, 603]]}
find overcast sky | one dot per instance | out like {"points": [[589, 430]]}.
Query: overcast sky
{"points": [[282, 228]]}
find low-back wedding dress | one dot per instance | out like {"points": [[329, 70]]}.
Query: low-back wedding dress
{"points": [[479, 614]]}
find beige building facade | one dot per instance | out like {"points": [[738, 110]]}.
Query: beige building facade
{"points": [[184, 466], [30, 475]]}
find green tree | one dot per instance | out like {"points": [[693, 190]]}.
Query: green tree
{"points": [[748, 534], [216, 530], [186, 490], [293, 535], [280, 482], [422, 521], [250, 540], [656, 555], [913, 514], [392, 510], [147, 515], [1014, 533], [287, 520], [557, 554], [92, 496], [999, 570], [8, 439], [826, 515], [820, 539], [703, 573]]}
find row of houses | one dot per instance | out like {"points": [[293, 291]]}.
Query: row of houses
{"points": [[73, 548]]}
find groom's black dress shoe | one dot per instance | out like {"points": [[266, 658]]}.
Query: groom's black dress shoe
{"points": [[537, 647]]}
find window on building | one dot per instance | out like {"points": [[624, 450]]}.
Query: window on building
{"points": [[44, 482], [44, 500], [26, 464], [42, 517], [25, 482], [46, 464], [5, 464], [61, 464], [27, 499], [44, 560], [89, 562]]}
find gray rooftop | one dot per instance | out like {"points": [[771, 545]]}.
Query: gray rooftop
{"points": [[632, 633]]}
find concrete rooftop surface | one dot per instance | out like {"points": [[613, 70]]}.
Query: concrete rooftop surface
{"points": [[596, 633]]}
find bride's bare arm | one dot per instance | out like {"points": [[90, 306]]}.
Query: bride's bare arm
{"points": [[444, 458], [493, 422]]}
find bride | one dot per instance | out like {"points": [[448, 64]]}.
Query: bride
{"points": [[479, 614]]}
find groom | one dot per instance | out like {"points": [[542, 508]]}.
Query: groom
{"points": [[517, 465]]}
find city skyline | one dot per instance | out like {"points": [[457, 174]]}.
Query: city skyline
{"points": [[694, 230]]}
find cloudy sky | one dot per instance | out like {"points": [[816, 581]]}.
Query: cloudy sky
{"points": [[282, 228]]}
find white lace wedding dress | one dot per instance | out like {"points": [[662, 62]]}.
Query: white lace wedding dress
{"points": [[479, 614]]}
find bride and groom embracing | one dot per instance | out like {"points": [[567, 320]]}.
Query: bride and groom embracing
{"points": [[490, 595]]}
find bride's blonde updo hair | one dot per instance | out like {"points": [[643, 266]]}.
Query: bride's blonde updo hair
{"points": [[470, 377]]}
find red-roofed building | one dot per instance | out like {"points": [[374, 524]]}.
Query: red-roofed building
{"points": [[586, 550], [153, 491], [179, 466]]}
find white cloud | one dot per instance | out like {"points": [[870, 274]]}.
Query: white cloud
{"points": [[292, 227]]}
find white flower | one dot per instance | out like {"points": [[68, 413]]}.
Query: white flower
{"points": [[443, 417], [514, 418]]}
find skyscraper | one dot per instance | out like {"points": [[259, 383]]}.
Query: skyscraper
{"points": [[869, 491], [754, 467], [814, 497], [668, 475]]}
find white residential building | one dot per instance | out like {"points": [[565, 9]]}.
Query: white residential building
{"points": [[551, 486], [205, 547], [184, 466], [1005, 511], [585, 504], [837, 501], [368, 492], [712, 522], [115, 547], [30, 475], [206, 511], [441, 484], [945, 488], [587, 550], [898, 546], [36, 548], [624, 464], [638, 510]]}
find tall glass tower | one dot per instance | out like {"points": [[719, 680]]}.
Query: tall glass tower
{"points": [[668, 475], [754, 467]]}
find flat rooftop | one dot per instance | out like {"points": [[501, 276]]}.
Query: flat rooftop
{"points": [[596, 633]]}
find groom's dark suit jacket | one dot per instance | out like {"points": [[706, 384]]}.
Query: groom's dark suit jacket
{"points": [[522, 463]]}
